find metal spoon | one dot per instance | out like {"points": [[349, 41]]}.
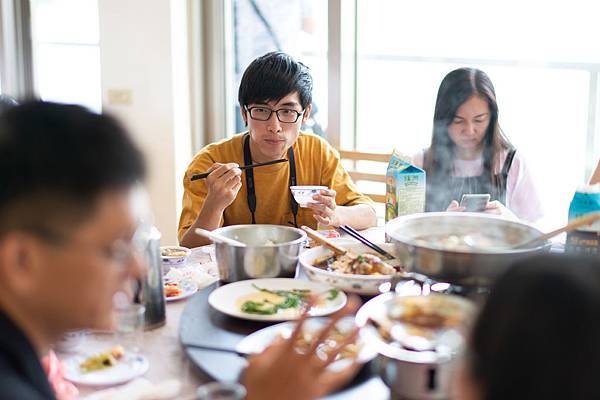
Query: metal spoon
{"points": [[215, 237]]}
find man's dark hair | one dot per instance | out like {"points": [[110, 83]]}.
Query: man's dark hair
{"points": [[56, 160], [6, 102], [272, 77]]}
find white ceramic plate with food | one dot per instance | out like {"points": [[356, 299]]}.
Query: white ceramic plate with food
{"points": [[275, 299], [351, 283], [128, 367], [179, 290], [359, 351]]}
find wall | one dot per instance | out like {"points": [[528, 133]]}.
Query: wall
{"points": [[144, 83]]}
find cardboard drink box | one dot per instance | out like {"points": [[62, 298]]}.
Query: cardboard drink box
{"points": [[405, 188], [585, 240]]}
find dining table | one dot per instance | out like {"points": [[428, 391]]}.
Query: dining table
{"points": [[192, 319]]}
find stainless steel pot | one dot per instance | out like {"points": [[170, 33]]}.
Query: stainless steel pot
{"points": [[476, 267], [271, 251], [416, 381], [411, 374]]}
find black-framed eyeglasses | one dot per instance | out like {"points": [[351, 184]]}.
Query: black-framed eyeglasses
{"points": [[285, 115]]}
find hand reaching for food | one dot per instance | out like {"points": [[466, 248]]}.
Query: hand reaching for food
{"points": [[281, 372]]}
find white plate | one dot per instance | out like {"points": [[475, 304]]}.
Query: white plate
{"points": [[226, 298], [259, 340], [188, 288], [129, 367]]}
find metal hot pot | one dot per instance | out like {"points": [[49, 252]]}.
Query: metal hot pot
{"points": [[420, 244], [270, 251], [415, 363]]}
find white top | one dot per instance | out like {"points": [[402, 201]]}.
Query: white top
{"points": [[521, 194]]}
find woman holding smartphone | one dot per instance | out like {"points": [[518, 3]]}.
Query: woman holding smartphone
{"points": [[469, 153]]}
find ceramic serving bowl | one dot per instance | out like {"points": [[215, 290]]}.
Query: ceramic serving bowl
{"points": [[361, 284]]}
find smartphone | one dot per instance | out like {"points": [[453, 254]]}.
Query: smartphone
{"points": [[474, 202]]}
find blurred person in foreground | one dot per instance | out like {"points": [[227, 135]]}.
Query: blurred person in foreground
{"points": [[537, 335], [65, 231], [66, 228], [275, 98], [6, 103], [470, 154]]}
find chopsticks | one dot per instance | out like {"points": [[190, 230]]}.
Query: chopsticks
{"points": [[338, 251], [352, 232], [243, 167]]}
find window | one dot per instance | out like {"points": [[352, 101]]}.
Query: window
{"points": [[66, 51], [545, 74], [386, 58], [298, 27]]}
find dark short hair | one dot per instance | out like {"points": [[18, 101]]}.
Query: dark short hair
{"points": [[537, 335], [6, 102], [272, 77], [56, 160]]}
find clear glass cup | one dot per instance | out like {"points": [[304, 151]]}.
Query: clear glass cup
{"points": [[221, 391], [129, 326], [71, 341]]}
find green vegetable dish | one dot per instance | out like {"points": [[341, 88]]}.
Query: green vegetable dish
{"points": [[333, 293], [269, 305]]}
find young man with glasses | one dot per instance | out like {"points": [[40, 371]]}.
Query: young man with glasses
{"points": [[275, 100]]}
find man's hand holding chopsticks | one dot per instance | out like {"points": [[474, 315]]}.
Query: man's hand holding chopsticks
{"points": [[223, 183]]}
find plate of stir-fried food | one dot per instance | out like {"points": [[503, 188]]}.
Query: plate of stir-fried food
{"points": [[360, 270]]}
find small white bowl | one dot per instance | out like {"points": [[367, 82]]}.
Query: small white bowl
{"points": [[304, 194], [177, 260]]}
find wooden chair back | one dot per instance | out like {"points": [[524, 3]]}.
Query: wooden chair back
{"points": [[358, 176]]}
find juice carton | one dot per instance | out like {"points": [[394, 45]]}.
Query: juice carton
{"points": [[405, 188], [585, 240]]}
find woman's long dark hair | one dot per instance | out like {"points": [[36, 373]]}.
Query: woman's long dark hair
{"points": [[456, 88], [537, 335]]}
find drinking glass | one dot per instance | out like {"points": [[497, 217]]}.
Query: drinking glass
{"points": [[129, 326]]}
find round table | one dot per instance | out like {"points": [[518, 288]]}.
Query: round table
{"points": [[201, 324]]}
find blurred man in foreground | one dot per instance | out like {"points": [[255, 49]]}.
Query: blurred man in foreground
{"points": [[66, 224]]}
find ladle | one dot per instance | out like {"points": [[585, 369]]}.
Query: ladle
{"points": [[571, 226], [215, 237]]}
